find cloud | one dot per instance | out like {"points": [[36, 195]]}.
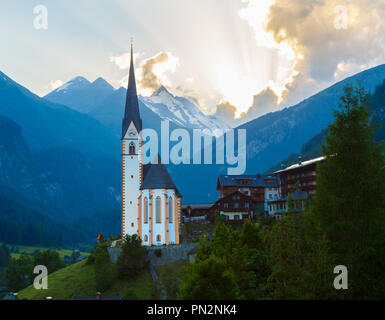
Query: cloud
{"points": [[264, 102], [326, 33], [317, 42], [257, 14], [192, 95], [56, 84], [226, 112], [123, 61], [151, 73]]}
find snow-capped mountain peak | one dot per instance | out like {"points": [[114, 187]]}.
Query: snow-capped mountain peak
{"points": [[84, 96], [161, 91], [182, 111], [75, 83], [80, 94]]}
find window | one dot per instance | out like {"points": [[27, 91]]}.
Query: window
{"points": [[226, 205], [247, 205], [236, 217], [157, 211], [236, 205], [145, 210], [158, 238], [132, 148], [170, 210], [145, 238]]}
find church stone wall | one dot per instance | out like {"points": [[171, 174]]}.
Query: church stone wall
{"points": [[169, 254]]}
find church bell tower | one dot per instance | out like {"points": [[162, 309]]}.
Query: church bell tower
{"points": [[131, 156]]}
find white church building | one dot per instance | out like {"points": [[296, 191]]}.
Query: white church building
{"points": [[151, 202]]}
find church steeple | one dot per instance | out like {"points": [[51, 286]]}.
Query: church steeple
{"points": [[131, 112]]}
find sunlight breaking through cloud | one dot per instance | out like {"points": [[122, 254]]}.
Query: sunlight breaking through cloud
{"points": [[256, 13]]}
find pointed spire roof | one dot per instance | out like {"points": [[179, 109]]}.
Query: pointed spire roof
{"points": [[131, 112]]}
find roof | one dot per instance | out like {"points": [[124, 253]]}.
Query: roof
{"points": [[131, 112], [231, 195], [302, 164], [257, 180], [198, 205], [156, 176]]}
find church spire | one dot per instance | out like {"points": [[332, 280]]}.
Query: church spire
{"points": [[131, 112]]}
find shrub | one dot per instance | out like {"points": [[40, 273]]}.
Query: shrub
{"points": [[132, 259], [104, 269]]}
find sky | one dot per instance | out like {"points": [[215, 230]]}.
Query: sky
{"points": [[234, 58]]}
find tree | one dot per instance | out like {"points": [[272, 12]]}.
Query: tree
{"points": [[50, 259], [19, 273], [350, 202], [239, 255], [208, 279], [132, 259], [170, 281], [75, 256], [104, 269], [300, 260], [5, 255]]}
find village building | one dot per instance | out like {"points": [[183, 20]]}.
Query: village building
{"points": [[295, 202], [301, 176], [151, 202], [235, 207], [297, 185], [196, 212], [260, 188]]}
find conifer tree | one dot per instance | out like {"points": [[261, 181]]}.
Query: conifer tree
{"points": [[300, 260], [350, 202]]}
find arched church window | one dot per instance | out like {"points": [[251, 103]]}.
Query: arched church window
{"points": [[132, 148], [158, 238], [145, 210], [170, 210], [145, 238], [157, 210]]}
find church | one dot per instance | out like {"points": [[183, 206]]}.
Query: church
{"points": [[150, 200]]}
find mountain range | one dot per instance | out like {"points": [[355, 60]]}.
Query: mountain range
{"points": [[57, 156], [61, 154], [313, 148], [277, 135], [103, 103], [80, 94]]}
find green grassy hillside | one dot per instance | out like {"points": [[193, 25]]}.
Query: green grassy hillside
{"points": [[79, 280], [30, 250]]}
